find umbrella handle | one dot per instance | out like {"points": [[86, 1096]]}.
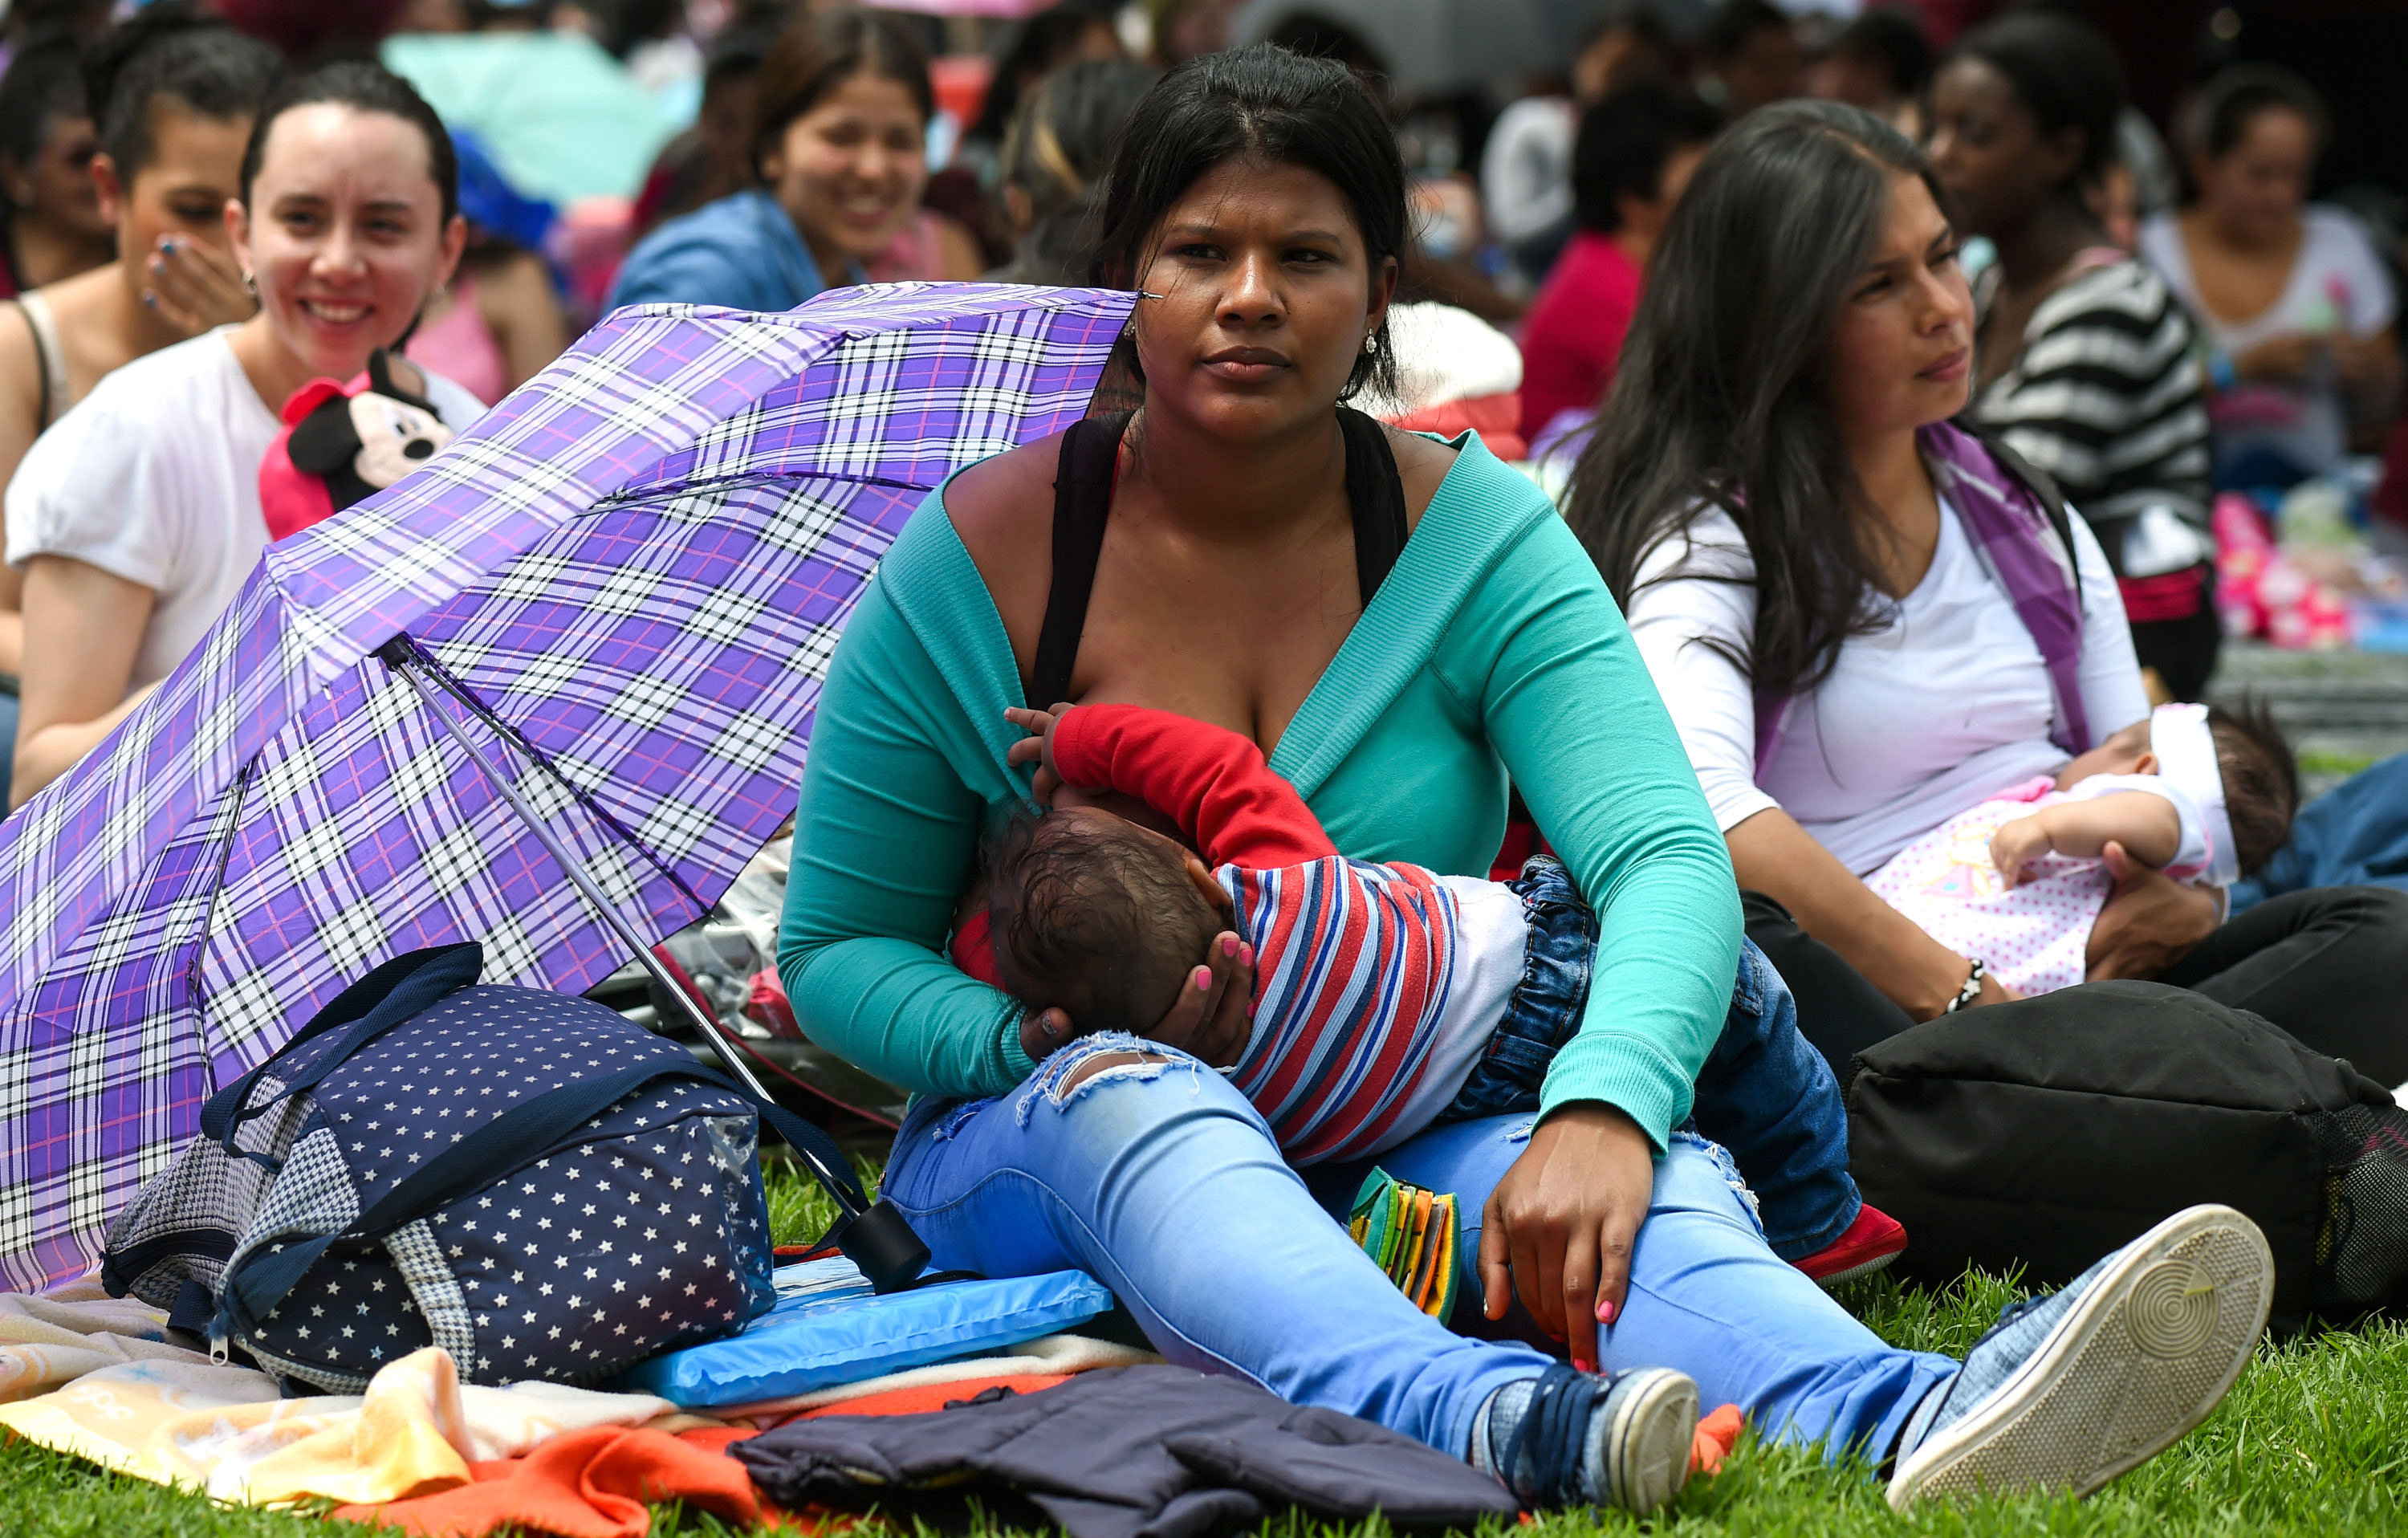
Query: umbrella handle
{"points": [[398, 655]]}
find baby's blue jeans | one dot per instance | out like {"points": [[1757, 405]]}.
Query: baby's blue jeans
{"points": [[1764, 1094]]}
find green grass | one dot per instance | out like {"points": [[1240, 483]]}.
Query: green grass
{"points": [[2312, 1441], [2339, 765]]}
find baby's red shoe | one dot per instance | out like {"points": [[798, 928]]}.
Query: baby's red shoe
{"points": [[1873, 1241]]}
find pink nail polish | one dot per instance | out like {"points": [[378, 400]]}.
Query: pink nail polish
{"points": [[1246, 956], [1229, 945], [1605, 1313], [1203, 980], [1584, 1365]]}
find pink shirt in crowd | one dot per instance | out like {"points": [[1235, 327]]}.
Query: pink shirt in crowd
{"points": [[1572, 335]]}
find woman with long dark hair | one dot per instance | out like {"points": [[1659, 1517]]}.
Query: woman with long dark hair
{"points": [[1402, 624], [1859, 634], [1756, 497]]}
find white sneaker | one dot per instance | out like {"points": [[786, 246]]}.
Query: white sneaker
{"points": [[2069, 1391], [1651, 1427]]}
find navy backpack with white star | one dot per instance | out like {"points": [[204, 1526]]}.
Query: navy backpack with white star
{"points": [[526, 1179]]}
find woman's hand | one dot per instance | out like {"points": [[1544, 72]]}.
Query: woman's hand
{"points": [[2151, 921], [195, 287], [1772, 854], [1215, 1009], [2362, 364], [1560, 1228], [2279, 359], [2370, 368], [1210, 1021]]}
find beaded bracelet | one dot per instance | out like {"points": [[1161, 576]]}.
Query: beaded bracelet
{"points": [[1972, 990]]}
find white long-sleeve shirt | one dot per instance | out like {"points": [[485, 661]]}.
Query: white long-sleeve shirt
{"points": [[1940, 710]]}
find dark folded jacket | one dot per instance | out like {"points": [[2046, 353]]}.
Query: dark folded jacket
{"points": [[1130, 1452]]}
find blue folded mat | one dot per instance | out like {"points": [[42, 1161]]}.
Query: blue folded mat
{"points": [[829, 1329]]}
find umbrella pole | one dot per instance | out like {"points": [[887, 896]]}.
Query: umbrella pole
{"points": [[713, 1029]]}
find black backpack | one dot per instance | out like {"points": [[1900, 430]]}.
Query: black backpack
{"points": [[2050, 1140]]}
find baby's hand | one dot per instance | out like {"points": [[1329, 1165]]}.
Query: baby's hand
{"points": [[1037, 748], [2016, 845], [1044, 1032]]}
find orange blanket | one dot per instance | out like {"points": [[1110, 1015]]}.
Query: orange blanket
{"points": [[599, 1483], [596, 1483]]}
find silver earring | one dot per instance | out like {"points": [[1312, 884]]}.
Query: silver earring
{"points": [[250, 285]]}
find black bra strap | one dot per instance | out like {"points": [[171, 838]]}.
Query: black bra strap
{"points": [[1375, 495], [1082, 501]]}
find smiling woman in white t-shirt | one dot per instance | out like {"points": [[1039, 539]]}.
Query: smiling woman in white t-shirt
{"points": [[137, 518]]}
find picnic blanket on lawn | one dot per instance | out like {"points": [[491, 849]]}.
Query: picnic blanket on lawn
{"points": [[96, 1377], [52, 1339]]}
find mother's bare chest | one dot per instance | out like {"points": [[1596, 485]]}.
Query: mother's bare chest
{"points": [[1240, 644]]}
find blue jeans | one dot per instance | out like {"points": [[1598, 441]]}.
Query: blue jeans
{"points": [[1163, 1180], [2355, 835], [1770, 1098], [1763, 1094]]}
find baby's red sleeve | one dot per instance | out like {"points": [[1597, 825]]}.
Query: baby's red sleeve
{"points": [[1210, 779]]}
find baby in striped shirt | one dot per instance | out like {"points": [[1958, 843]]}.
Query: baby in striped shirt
{"points": [[1387, 997]]}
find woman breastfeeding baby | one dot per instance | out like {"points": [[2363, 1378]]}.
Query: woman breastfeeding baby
{"points": [[1388, 999], [1398, 627], [1872, 628], [2203, 795]]}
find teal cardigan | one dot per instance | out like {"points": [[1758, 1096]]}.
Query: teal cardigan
{"points": [[1492, 653]]}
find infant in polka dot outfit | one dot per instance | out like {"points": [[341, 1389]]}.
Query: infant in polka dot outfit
{"points": [[2204, 793]]}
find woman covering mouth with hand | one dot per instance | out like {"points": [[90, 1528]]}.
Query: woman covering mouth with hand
{"points": [[173, 96], [137, 518], [839, 151]]}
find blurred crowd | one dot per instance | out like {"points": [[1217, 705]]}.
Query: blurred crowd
{"points": [[2187, 316]]}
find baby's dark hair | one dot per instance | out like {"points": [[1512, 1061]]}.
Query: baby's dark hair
{"points": [[1089, 915], [2261, 779]]}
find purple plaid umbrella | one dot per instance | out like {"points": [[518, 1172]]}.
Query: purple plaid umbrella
{"points": [[620, 590]]}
